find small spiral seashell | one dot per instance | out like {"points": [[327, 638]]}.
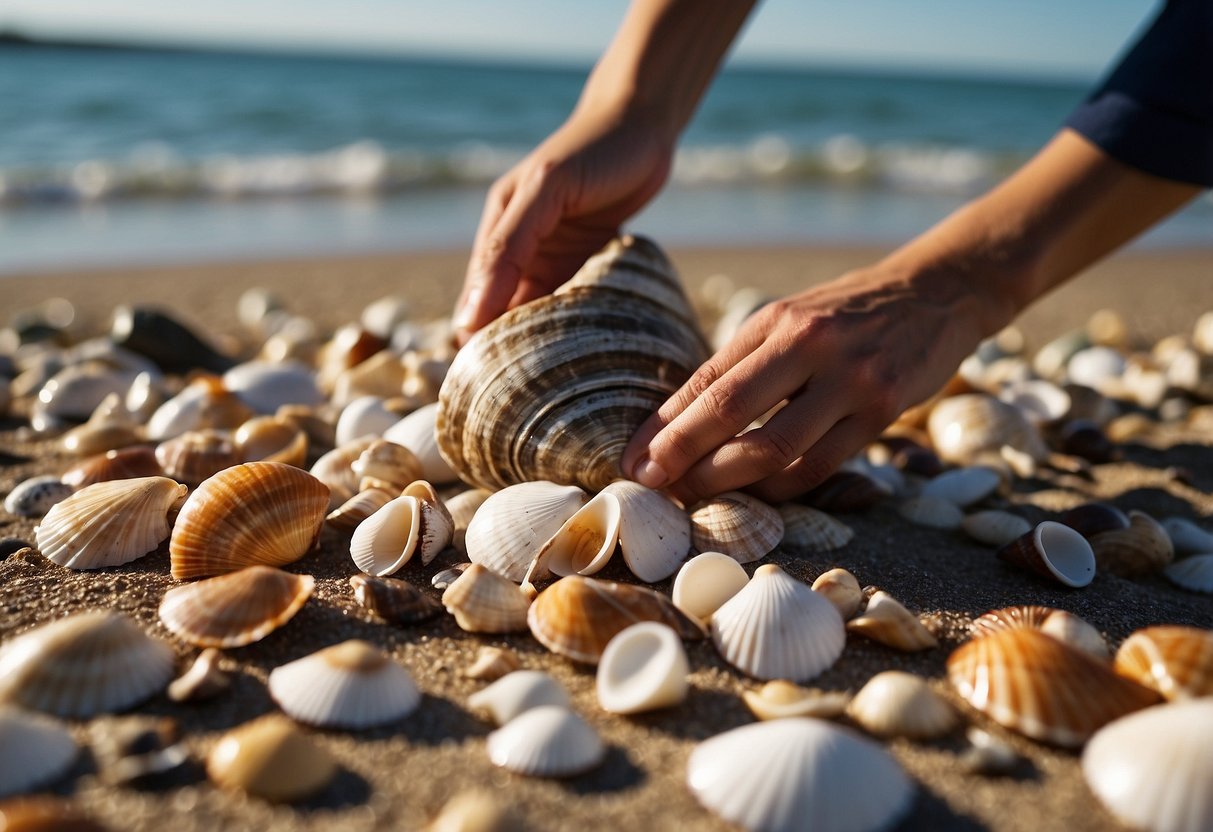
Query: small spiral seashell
{"points": [[122, 464], [484, 602], [511, 525], [812, 529], [643, 668], [197, 455], [547, 741], [705, 582], [393, 600], [781, 699], [742, 527], [898, 704], [36, 751], [885, 620], [272, 759], [35, 497], [271, 439], [350, 685], [235, 609], [1144, 547], [1175, 661], [518, 692]]}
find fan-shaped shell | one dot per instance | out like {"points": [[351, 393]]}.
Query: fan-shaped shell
{"points": [[547, 741], [931, 512], [795, 774], [484, 602], [196, 455], [1061, 625], [263, 513], [743, 527], [642, 669], [122, 464], [898, 704], [995, 528], [393, 600], [272, 759], [271, 439], [235, 609], [417, 432], [35, 497], [34, 750], [517, 692], [654, 533], [1194, 573], [811, 529], [577, 616], [1032, 683], [1175, 661], [508, 529], [86, 664], [1142, 548], [705, 582], [885, 620], [553, 390], [964, 427], [778, 628], [1187, 537], [109, 523], [781, 699], [350, 685]]}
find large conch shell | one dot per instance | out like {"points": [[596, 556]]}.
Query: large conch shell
{"points": [[553, 390]]}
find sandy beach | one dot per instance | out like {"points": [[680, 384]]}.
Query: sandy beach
{"points": [[397, 777]]}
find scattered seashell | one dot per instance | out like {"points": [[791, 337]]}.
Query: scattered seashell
{"points": [[271, 759], [393, 600], [462, 508], [742, 527], [885, 620], [1175, 661], [35, 751], [417, 432], [989, 756], [386, 465], [518, 692], [334, 470], [644, 668], [898, 704], [778, 628], [365, 416], [1053, 551], [474, 811], [1187, 537], [1141, 549], [963, 486], [512, 524], [204, 680], [963, 427], [931, 512], [122, 464], [389, 538], [1194, 573], [350, 346], [1085, 439], [271, 439], [1090, 519], [1039, 400], [1130, 427], [842, 590], [110, 427], [1061, 625], [844, 492], [577, 616], [654, 533], [258, 513], [484, 602], [351, 685], [86, 664], [446, 577], [1099, 368], [131, 749], [547, 741], [995, 528], [781, 699], [197, 455], [1152, 769], [382, 375], [74, 392], [362, 505], [235, 609], [583, 544], [265, 387], [795, 774], [36, 496], [492, 663], [705, 582], [109, 523], [204, 403], [811, 529], [1044, 689]]}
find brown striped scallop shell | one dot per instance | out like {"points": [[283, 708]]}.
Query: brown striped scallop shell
{"points": [[554, 389], [263, 513], [484, 602], [1032, 683], [235, 609], [1061, 625], [1175, 661], [742, 527], [1141, 549], [123, 464], [196, 455]]}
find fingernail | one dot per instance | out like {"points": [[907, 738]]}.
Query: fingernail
{"points": [[467, 311], [650, 474]]}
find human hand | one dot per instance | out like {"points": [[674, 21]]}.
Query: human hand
{"points": [[847, 357]]}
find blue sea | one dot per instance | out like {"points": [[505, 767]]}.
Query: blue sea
{"points": [[112, 156]]}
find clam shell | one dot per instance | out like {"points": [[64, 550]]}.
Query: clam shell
{"points": [[898, 704], [492, 663], [462, 508], [235, 609], [1061, 625], [576, 617], [205, 679], [781, 699], [395, 601], [258, 513], [796, 774], [963, 486], [484, 602], [1035, 685], [1194, 573], [387, 540], [1141, 549], [35, 497], [86, 664], [271, 439], [104, 431], [995, 528], [333, 469], [584, 544], [518, 692], [511, 525], [265, 387], [963, 427], [197, 455], [841, 589], [1187, 537], [1090, 519], [272, 759], [743, 527], [362, 505], [547, 741], [1053, 551], [931, 512], [35, 751], [350, 685], [654, 533], [778, 628], [885, 620], [122, 464], [705, 582], [844, 492], [554, 389], [109, 523], [417, 432], [643, 668], [204, 403], [1175, 661], [392, 466], [365, 416], [1152, 769], [811, 529]]}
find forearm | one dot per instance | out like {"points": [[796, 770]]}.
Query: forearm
{"points": [[663, 57]]}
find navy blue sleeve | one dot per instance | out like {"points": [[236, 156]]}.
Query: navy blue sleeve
{"points": [[1155, 111]]}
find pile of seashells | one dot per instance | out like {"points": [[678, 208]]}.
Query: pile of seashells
{"points": [[377, 432]]}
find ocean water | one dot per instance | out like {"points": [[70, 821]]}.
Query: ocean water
{"points": [[120, 156]]}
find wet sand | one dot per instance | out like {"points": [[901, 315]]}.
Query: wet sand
{"points": [[396, 777]]}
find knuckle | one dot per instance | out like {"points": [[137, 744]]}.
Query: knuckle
{"points": [[672, 449], [772, 450], [701, 381], [723, 407]]}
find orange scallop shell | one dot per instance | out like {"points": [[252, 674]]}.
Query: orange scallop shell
{"points": [[1175, 661], [235, 609]]}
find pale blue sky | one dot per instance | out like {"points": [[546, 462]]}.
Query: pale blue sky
{"points": [[1031, 37]]}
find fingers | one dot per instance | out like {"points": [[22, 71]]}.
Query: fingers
{"points": [[838, 444]]}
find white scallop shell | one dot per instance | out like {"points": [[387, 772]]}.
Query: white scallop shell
{"points": [[963, 486], [795, 774], [809, 528], [1193, 573], [654, 533], [35, 497], [547, 741], [416, 432], [517, 692], [643, 668], [349, 685], [995, 528], [705, 582], [898, 704], [1187, 537], [931, 512], [778, 628], [387, 539], [364, 416], [584, 544], [265, 387], [1153, 768], [964, 427], [35, 750], [508, 529]]}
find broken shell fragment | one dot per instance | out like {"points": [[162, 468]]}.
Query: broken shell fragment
{"points": [[743, 527], [1141, 549], [484, 602], [1053, 551], [547, 741], [492, 663], [35, 750], [780, 699], [235, 609], [36, 496], [995, 528], [898, 704], [643, 668], [654, 533], [811, 529], [885, 620], [1194, 573], [393, 600], [705, 582], [271, 759], [841, 589], [517, 692], [1175, 661], [512, 524], [350, 685], [204, 680]]}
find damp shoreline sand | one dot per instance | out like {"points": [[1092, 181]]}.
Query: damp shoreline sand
{"points": [[398, 776]]}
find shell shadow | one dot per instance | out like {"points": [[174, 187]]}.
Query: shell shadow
{"points": [[436, 721], [348, 789], [616, 773], [930, 813], [705, 713]]}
